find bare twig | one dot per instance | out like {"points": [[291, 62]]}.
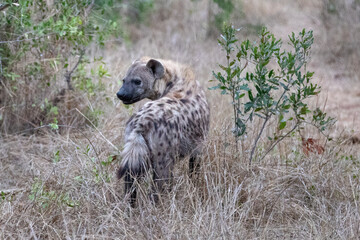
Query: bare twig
{"points": [[279, 140], [3, 7], [12, 191], [257, 139], [68, 74], [88, 9], [102, 135], [282, 95], [24, 40], [318, 128]]}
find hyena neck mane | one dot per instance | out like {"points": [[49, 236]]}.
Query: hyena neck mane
{"points": [[178, 81]]}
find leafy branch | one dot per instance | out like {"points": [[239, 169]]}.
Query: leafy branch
{"points": [[276, 88]]}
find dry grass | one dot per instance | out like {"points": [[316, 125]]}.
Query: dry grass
{"points": [[74, 194], [302, 197]]}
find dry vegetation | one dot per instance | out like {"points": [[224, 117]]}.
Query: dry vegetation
{"points": [[63, 186]]}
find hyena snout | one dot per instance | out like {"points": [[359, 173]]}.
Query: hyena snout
{"points": [[123, 96], [126, 97]]}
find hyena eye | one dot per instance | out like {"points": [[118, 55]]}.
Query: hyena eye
{"points": [[136, 81]]}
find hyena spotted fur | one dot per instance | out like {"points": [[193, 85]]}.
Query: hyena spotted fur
{"points": [[170, 127]]}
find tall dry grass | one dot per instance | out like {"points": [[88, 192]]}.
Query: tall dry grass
{"points": [[63, 186], [296, 197]]}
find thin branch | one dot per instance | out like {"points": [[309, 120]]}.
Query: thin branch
{"points": [[20, 40], [250, 61], [68, 74], [88, 9], [5, 6], [282, 95], [279, 140], [257, 139], [12, 191], [263, 127], [246, 64], [317, 127], [102, 135]]}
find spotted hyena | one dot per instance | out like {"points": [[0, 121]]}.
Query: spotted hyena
{"points": [[170, 127]]}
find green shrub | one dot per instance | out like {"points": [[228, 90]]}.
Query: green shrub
{"points": [[43, 44], [277, 87], [44, 197]]}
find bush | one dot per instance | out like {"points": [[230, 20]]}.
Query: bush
{"points": [[43, 46], [277, 87]]}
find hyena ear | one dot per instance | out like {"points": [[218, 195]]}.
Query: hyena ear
{"points": [[156, 67]]}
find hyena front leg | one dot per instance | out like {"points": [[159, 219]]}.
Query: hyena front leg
{"points": [[130, 188]]}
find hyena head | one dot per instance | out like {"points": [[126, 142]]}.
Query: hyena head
{"points": [[139, 81]]}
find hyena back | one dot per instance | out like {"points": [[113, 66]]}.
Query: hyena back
{"points": [[171, 126]]}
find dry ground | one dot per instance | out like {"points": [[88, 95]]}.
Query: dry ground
{"points": [[63, 186]]}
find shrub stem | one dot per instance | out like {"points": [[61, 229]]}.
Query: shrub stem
{"points": [[257, 139], [279, 140]]}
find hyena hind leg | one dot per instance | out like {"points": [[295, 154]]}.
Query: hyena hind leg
{"points": [[130, 188], [162, 178], [194, 166]]}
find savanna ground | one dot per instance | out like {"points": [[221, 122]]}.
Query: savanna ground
{"points": [[62, 185]]}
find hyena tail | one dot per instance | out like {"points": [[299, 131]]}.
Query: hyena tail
{"points": [[135, 156]]}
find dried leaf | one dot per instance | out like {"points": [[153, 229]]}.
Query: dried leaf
{"points": [[311, 145]]}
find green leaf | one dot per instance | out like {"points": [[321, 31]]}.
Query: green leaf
{"points": [[248, 106], [56, 158], [244, 87], [282, 125], [309, 74], [271, 73], [286, 88], [304, 110], [240, 96], [54, 126], [250, 96], [286, 107], [214, 87]]}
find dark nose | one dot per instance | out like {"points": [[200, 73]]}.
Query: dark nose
{"points": [[120, 95], [123, 96]]}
